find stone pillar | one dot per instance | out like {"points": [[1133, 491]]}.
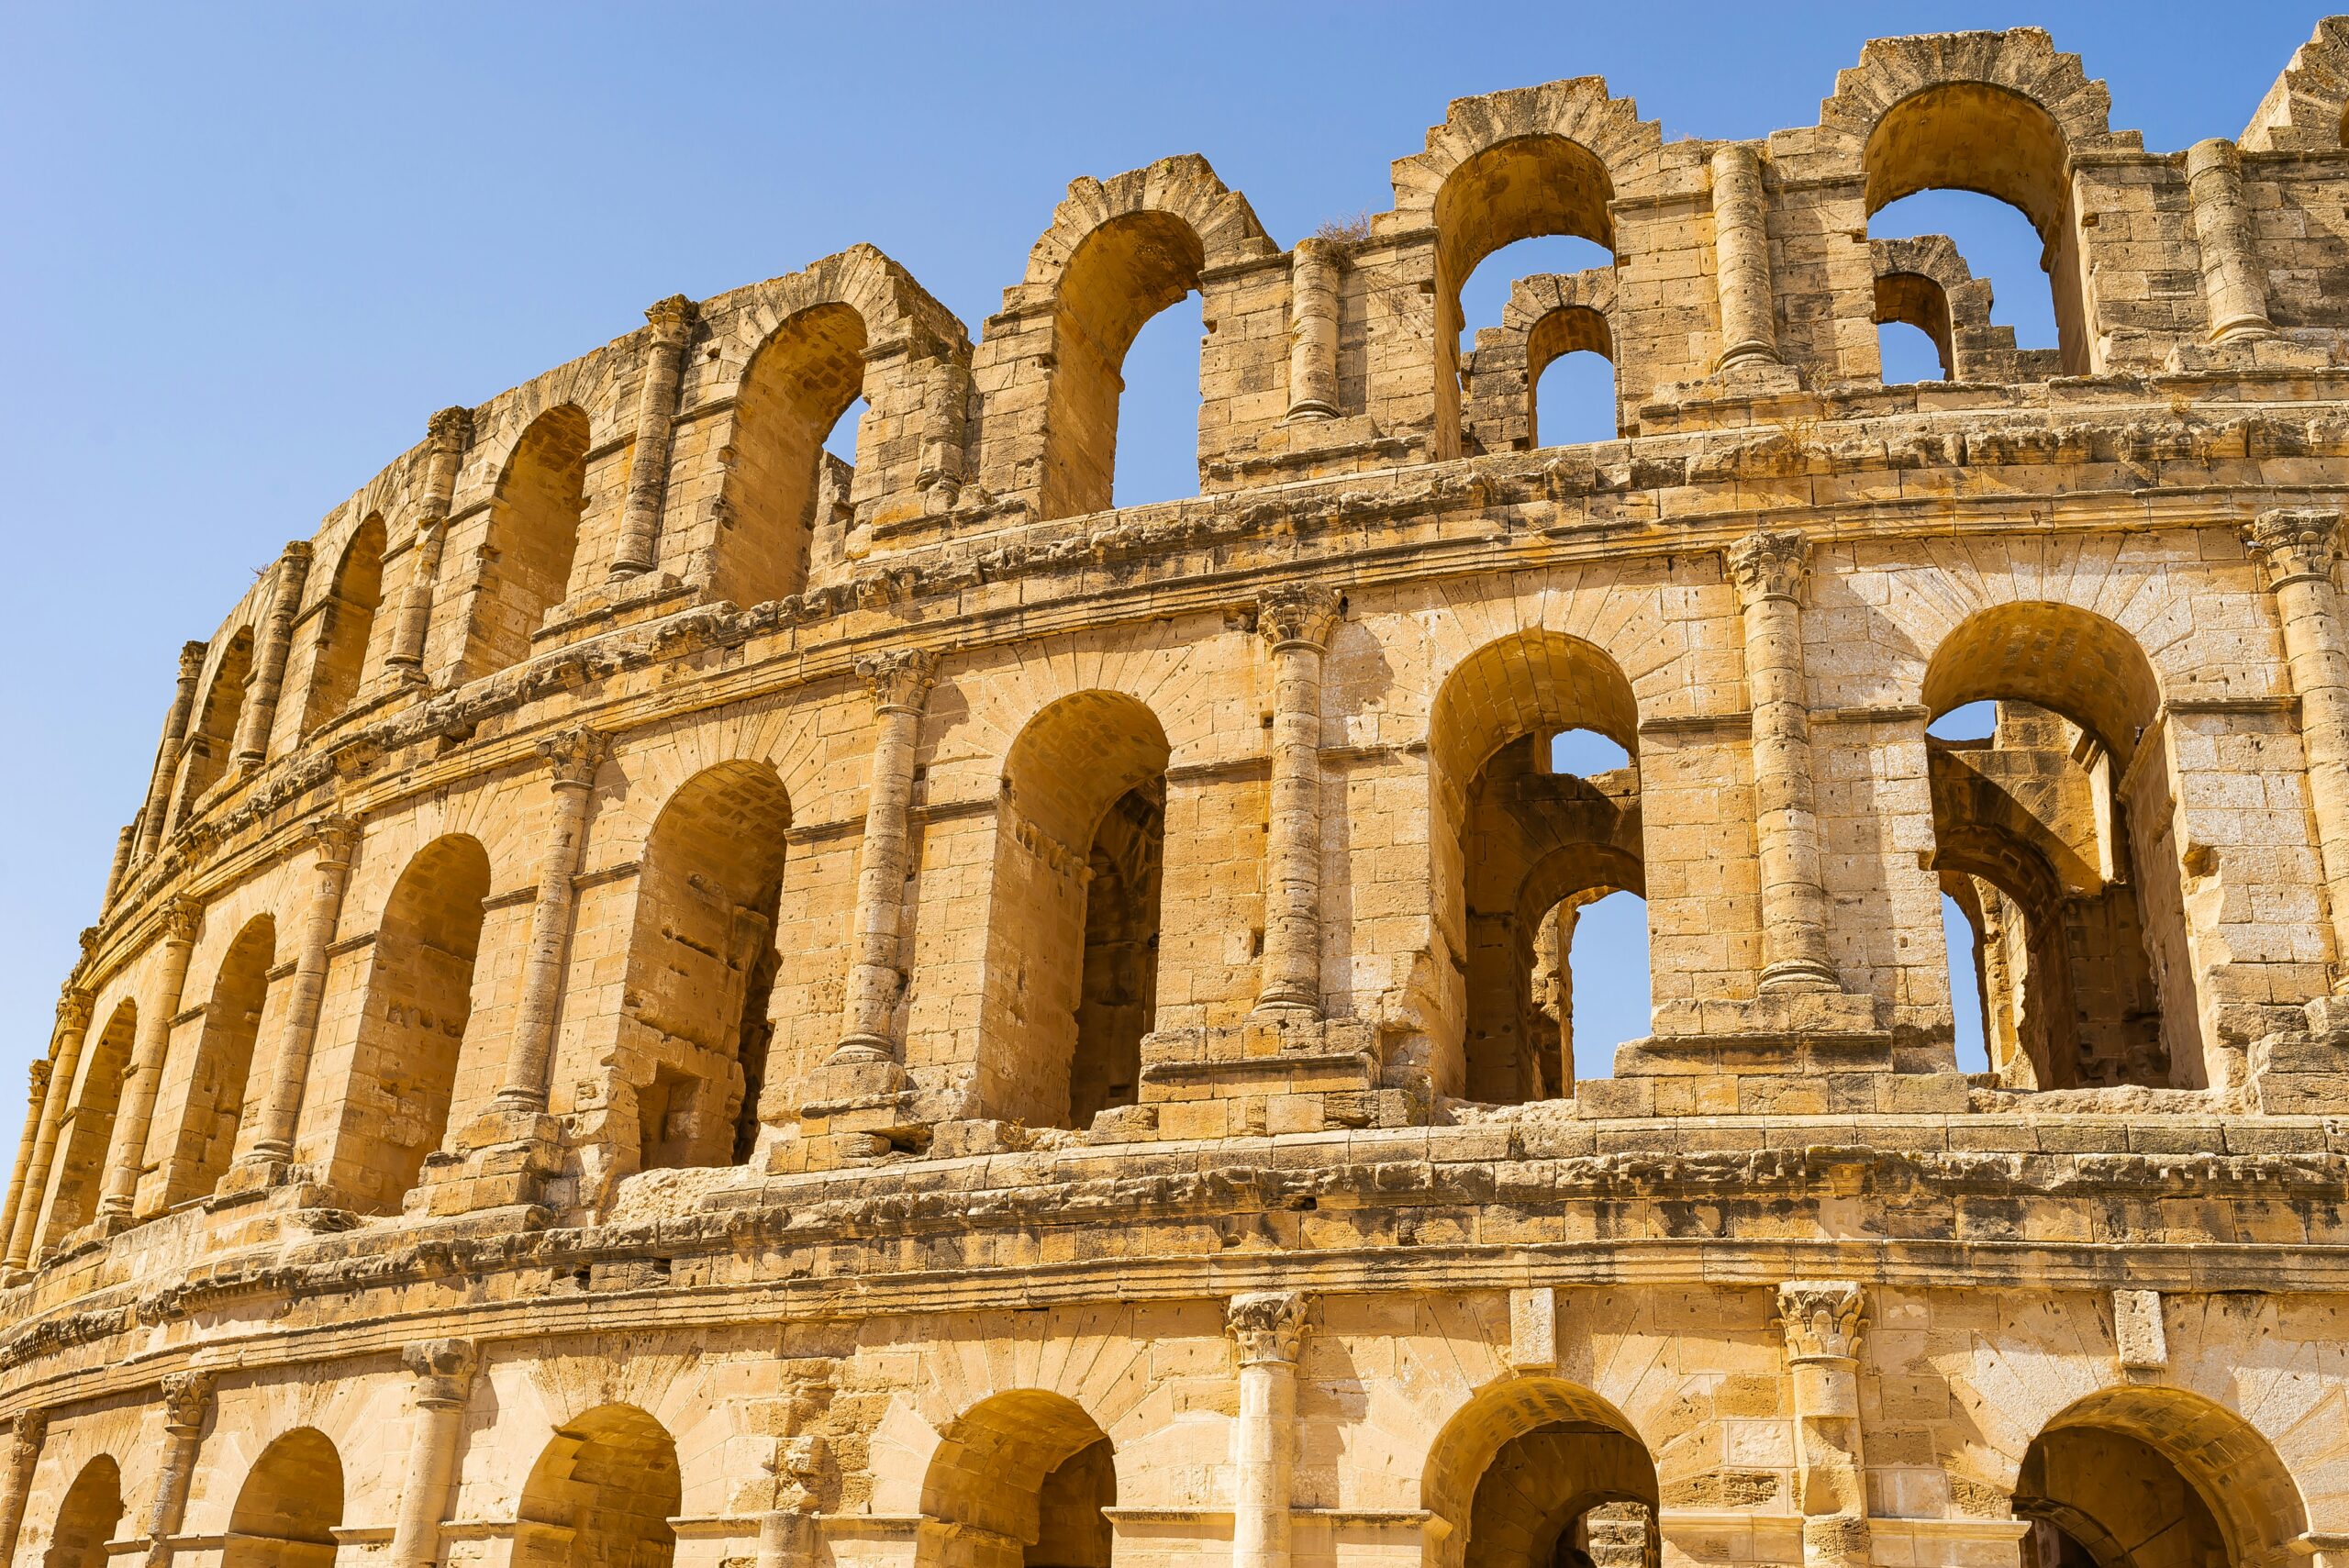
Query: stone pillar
{"points": [[1313, 329], [656, 417], [1297, 621], [1742, 259], [452, 431], [2232, 285], [26, 1432], [787, 1530], [335, 837], [1768, 569], [900, 683], [576, 755], [444, 1376], [269, 671], [1268, 1328], [2298, 545], [945, 427], [72, 1029], [187, 1400], [1821, 1320], [167, 756], [138, 1110], [124, 842], [36, 1103]]}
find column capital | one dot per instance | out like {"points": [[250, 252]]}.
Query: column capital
{"points": [[899, 679], [187, 1399], [1267, 1326], [2297, 543], [28, 1427], [1317, 247], [297, 553], [192, 659], [334, 836], [452, 428], [2212, 154], [672, 320], [576, 754], [73, 1005], [182, 916], [1297, 614], [1769, 563], [1822, 1319], [37, 1074], [445, 1370]]}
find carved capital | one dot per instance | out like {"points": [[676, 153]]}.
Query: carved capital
{"points": [[2296, 542], [452, 428], [188, 1398], [672, 320], [1297, 613], [192, 659], [88, 937], [1267, 1326], [182, 916], [333, 837], [73, 1004], [576, 754], [1770, 564], [900, 679], [295, 556], [37, 1073], [443, 1368], [29, 1427], [1822, 1319]]}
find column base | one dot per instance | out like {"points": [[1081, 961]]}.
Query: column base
{"points": [[1275, 1073], [506, 1157], [1788, 1053]]}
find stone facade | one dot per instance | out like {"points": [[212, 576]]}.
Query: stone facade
{"points": [[679, 1001]]}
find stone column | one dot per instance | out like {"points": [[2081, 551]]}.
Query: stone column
{"points": [[187, 1400], [1313, 329], [72, 1029], [656, 419], [787, 1530], [1741, 257], [1268, 1328], [124, 842], [130, 1123], [167, 756], [26, 1432], [2232, 285], [335, 837], [1821, 1320], [1768, 569], [574, 755], [269, 671], [444, 1376], [945, 427], [450, 432], [900, 683], [36, 1103], [2298, 545], [1297, 621]]}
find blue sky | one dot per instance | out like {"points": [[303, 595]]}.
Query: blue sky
{"points": [[245, 251]]}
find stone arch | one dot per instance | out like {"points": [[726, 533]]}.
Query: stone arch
{"points": [[1520, 1463], [1497, 815], [1548, 316], [2304, 111], [346, 625], [218, 1077], [88, 1129], [213, 733], [2143, 1463], [1924, 282], [799, 383], [419, 998], [290, 1506], [1021, 1477], [533, 539], [701, 966], [88, 1518], [602, 1495], [1118, 252], [1083, 789]]}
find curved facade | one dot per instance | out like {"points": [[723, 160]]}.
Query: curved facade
{"points": [[677, 1001]]}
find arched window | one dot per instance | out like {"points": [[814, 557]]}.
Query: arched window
{"points": [[346, 625], [780, 479], [607, 1485], [214, 732], [88, 1129], [420, 999], [701, 966], [289, 1507], [1022, 1477], [533, 537], [224, 1055], [88, 1518], [1072, 975], [1912, 329], [1570, 360]]}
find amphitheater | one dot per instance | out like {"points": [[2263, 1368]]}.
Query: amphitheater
{"points": [[678, 1002]]}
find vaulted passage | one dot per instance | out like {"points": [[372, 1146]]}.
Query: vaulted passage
{"points": [[88, 1129], [602, 1495], [223, 1068], [346, 624], [779, 478], [1540, 1472], [1024, 1476], [88, 1518], [291, 1503], [533, 536]]}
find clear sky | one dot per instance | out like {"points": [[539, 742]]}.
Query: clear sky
{"points": [[245, 251]]}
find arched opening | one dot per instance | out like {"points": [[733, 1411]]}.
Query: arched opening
{"points": [[2151, 1477], [1071, 985], [602, 1495], [1518, 848], [88, 1518], [1020, 1480], [1525, 188], [288, 1508], [346, 623], [533, 536], [1119, 276], [1158, 407], [1537, 1471], [1912, 329], [2055, 844], [1570, 370], [1974, 136], [215, 730], [224, 1059], [780, 481], [88, 1129], [701, 967], [419, 998]]}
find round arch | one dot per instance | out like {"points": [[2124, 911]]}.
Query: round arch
{"points": [[287, 1512], [534, 529], [347, 625], [607, 1483], [2059, 656], [1019, 1473], [808, 372], [1576, 1451], [88, 1517], [221, 1073]]}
